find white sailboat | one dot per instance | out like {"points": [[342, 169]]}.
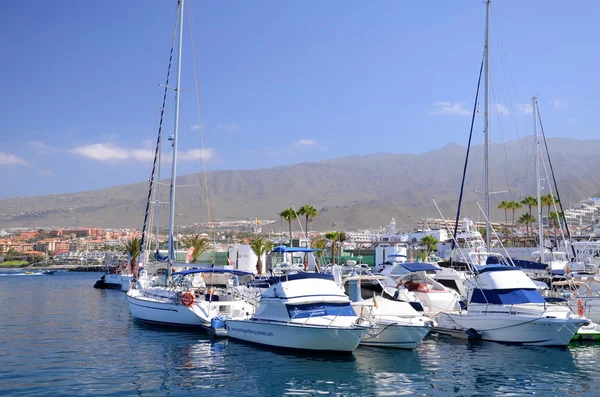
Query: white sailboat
{"points": [[504, 304], [185, 298]]}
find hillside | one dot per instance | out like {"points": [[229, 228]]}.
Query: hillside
{"points": [[354, 192]]}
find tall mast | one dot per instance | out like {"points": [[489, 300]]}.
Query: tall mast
{"points": [[175, 133], [537, 178], [486, 114]]}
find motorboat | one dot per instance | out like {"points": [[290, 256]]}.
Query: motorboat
{"points": [[304, 311], [396, 323], [193, 298], [505, 305], [417, 277]]}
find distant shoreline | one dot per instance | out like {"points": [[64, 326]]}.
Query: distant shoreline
{"points": [[70, 268]]}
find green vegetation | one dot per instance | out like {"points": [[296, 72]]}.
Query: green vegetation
{"points": [[336, 238], [133, 249], [200, 245], [309, 212], [15, 263], [430, 242], [289, 215], [260, 246]]}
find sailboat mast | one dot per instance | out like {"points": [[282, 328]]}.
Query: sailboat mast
{"points": [[537, 178], [486, 114], [175, 133]]}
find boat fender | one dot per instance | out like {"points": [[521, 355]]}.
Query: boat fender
{"points": [[580, 307], [473, 333], [187, 299]]}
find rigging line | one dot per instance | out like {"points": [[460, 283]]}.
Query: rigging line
{"points": [[212, 234], [462, 185], [158, 139], [554, 202], [501, 129], [504, 58], [554, 178], [501, 44]]}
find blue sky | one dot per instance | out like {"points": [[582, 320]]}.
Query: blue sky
{"points": [[280, 82]]}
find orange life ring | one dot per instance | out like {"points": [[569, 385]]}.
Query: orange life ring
{"points": [[187, 299], [580, 307]]}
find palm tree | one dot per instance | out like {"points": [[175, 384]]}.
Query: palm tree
{"points": [[321, 245], [526, 219], [554, 221], [514, 205], [335, 238], [430, 242], [200, 245], [505, 205], [289, 215], [260, 246], [530, 201], [547, 201], [309, 213], [133, 249]]}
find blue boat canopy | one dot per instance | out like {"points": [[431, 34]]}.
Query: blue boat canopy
{"points": [[283, 248], [212, 270], [397, 256], [299, 276], [419, 267]]}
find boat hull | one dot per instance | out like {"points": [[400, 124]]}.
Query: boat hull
{"points": [[525, 330], [395, 336], [163, 312], [297, 336]]}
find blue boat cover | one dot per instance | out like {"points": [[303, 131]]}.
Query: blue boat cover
{"points": [[511, 296], [419, 267], [160, 258], [212, 270], [283, 248], [320, 309], [530, 264]]}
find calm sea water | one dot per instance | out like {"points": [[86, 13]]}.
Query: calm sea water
{"points": [[61, 337]]}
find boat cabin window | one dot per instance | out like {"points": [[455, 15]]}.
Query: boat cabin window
{"points": [[320, 309], [507, 296]]}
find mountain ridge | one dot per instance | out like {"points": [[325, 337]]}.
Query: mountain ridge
{"points": [[359, 191]]}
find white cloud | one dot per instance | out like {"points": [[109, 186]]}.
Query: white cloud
{"points": [[449, 108], [500, 108], [196, 127], [228, 127], [197, 154], [558, 104], [525, 108], [142, 154], [40, 147], [102, 152], [111, 152], [47, 173], [303, 143], [11, 159]]}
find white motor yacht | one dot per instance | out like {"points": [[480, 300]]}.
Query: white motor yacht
{"points": [[504, 305], [305, 311], [417, 278], [397, 323]]}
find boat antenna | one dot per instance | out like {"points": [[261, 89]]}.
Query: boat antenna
{"points": [[174, 138]]}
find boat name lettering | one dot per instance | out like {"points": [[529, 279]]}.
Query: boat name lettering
{"points": [[250, 331]]}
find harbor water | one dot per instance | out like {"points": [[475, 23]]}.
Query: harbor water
{"points": [[61, 337]]}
